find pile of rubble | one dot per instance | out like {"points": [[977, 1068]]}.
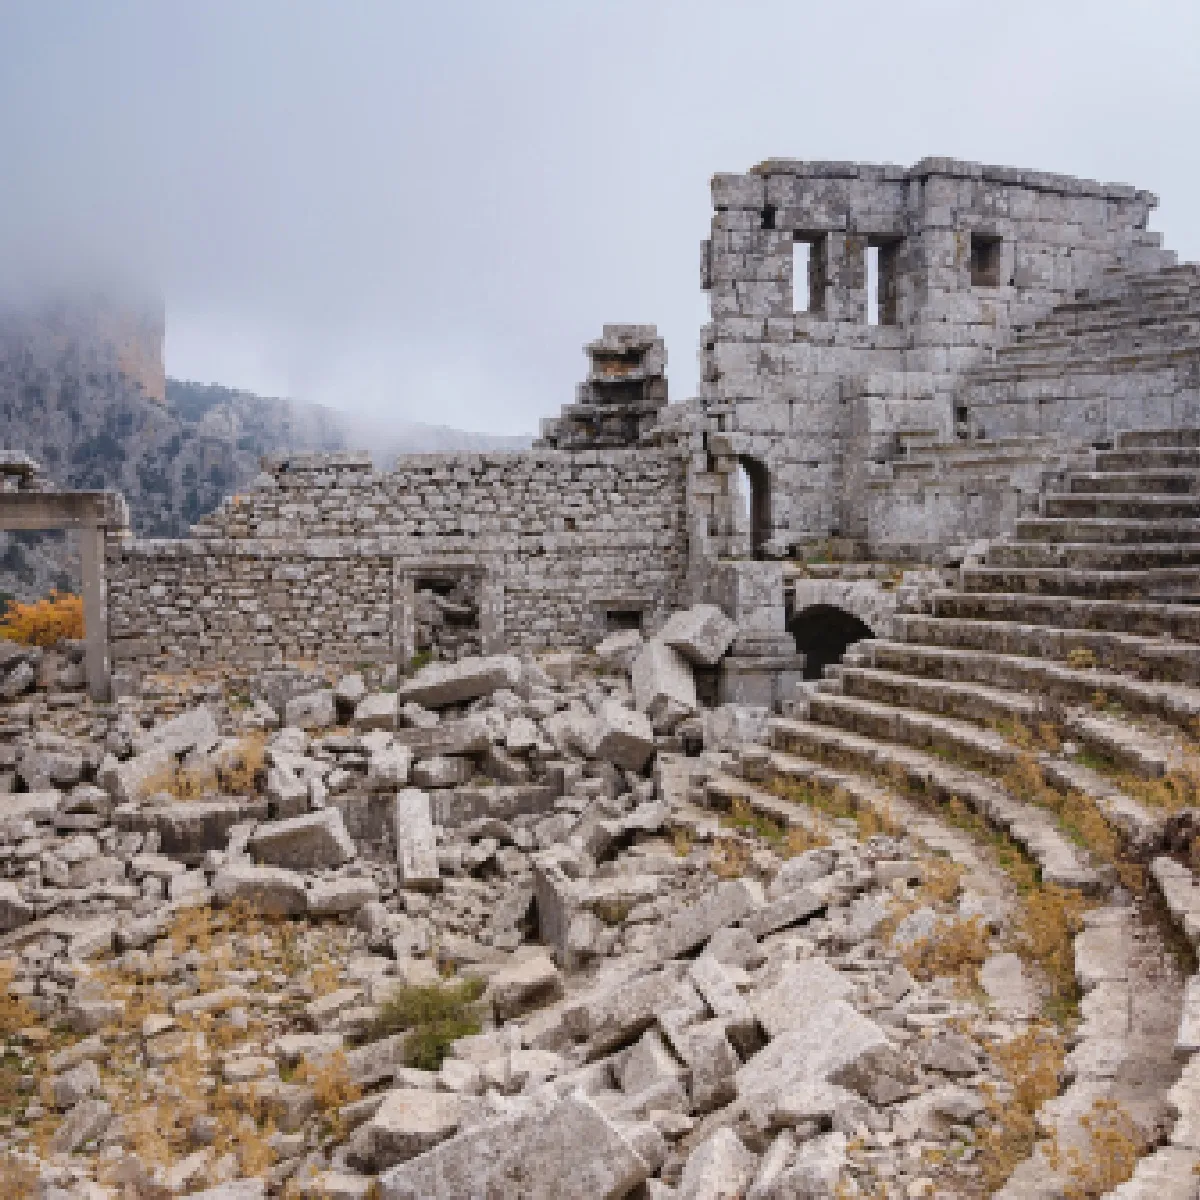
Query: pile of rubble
{"points": [[210, 916]]}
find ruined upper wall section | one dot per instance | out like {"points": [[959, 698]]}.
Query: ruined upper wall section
{"points": [[619, 402]]}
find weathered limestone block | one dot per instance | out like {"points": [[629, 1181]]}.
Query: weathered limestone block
{"points": [[622, 737], [620, 649], [524, 985], [409, 1122], [416, 843], [273, 891], [468, 737], [377, 711], [663, 687], [14, 912], [313, 710], [566, 1150], [189, 831], [702, 634], [803, 988], [443, 771], [316, 839], [334, 897], [195, 729], [388, 768], [440, 684], [726, 904], [720, 1168]]}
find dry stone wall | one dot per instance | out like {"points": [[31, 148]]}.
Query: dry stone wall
{"points": [[324, 559]]}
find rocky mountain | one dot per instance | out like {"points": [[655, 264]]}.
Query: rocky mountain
{"points": [[83, 391]]}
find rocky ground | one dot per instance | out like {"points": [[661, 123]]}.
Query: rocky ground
{"points": [[520, 927]]}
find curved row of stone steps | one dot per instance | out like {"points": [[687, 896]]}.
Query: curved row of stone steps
{"points": [[1034, 829], [1016, 646], [1141, 657], [1144, 618], [1041, 681], [1162, 584]]}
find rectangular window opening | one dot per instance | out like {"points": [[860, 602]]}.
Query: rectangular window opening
{"points": [[808, 273], [872, 285], [985, 260], [618, 620]]}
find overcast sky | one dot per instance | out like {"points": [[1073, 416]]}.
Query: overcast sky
{"points": [[426, 209]]}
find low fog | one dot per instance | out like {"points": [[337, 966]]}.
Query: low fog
{"points": [[422, 211]]}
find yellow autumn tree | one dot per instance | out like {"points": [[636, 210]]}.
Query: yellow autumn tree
{"points": [[45, 622]]}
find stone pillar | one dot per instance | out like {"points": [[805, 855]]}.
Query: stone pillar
{"points": [[404, 617], [491, 613], [95, 612]]}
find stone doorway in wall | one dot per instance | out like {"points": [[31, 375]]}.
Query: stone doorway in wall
{"points": [[823, 633], [446, 615], [754, 487]]}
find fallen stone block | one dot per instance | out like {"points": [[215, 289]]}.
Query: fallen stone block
{"points": [[622, 737], [14, 911], [84, 1123], [524, 985], [408, 1122], [726, 904], [501, 801], [789, 909], [416, 843], [312, 710], [388, 768], [468, 737], [273, 891], [565, 1150], [443, 771], [131, 779], [442, 684], [619, 649], [702, 634], [330, 898], [663, 686], [720, 1168], [376, 711], [804, 988], [613, 1015], [834, 1038], [195, 729], [188, 831], [317, 839]]}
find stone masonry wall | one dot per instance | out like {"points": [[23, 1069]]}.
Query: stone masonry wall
{"points": [[965, 253], [322, 558]]}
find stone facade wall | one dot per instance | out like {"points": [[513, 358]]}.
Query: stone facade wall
{"points": [[966, 253], [323, 558]]}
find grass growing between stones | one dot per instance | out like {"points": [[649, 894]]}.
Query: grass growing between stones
{"points": [[1031, 1064], [241, 772], [787, 842], [835, 804], [1113, 1144], [433, 1016]]}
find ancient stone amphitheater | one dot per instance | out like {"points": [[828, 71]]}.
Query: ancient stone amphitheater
{"points": [[801, 782]]}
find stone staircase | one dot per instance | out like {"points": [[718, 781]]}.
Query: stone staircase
{"points": [[1123, 355], [1087, 619], [1126, 321]]}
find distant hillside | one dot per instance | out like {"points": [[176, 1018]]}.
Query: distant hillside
{"points": [[83, 394]]}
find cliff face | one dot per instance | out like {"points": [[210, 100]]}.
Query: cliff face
{"points": [[83, 390]]}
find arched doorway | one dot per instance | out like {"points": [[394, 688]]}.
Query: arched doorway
{"points": [[822, 633], [754, 486]]}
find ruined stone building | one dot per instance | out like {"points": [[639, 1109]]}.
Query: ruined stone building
{"points": [[897, 362]]}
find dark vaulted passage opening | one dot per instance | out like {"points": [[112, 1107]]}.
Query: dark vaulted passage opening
{"points": [[822, 633]]}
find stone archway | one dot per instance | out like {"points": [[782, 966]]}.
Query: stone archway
{"points": [[756, 487], [822, 633]]}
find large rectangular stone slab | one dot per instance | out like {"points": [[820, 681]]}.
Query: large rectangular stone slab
{"points": [[416, 844], [726, 904], [663, 686], [317, 839], [468, 736], [457, 806], [564, 1150], [441, 684], [702, 634]]}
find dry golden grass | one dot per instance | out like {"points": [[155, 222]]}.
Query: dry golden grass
{"points": [[956, 948], [240, 774], [1082, 658], [1049, 918], [1108, 1157], [1031, 1064], [682, 840], [729, 858], [45, 622], [18, 1180], [835, 804], [15, 1014], [787, 841]]}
